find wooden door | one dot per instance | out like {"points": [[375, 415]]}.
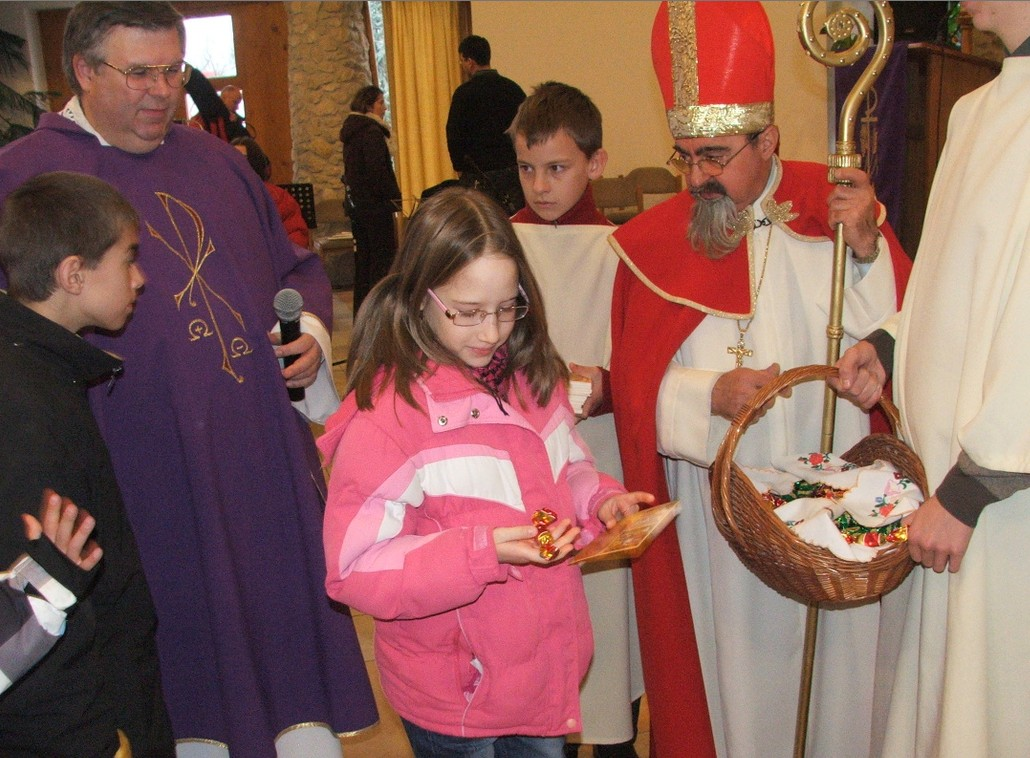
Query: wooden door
{"points": [[260, 32]]}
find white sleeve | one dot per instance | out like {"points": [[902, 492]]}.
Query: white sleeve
{"points": [[871, 299], [684, 413]]}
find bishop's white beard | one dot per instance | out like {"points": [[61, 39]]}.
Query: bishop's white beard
{"points": [[713, 226]]}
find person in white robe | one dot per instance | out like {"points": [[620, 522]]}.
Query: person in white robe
{"points": [[565, 238], [957, 676]]}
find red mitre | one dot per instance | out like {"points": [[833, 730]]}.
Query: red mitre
{"points": [[714, 62]]}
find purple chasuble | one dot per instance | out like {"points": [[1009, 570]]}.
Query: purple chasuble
{"points": [[219, 473]]}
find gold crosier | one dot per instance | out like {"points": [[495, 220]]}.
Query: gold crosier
{"points": [[845, 26]]}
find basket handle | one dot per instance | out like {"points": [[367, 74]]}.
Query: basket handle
{"points": [[793, 376]]}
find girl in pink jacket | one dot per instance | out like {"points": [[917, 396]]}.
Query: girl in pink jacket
{"points": [[455, 431]]}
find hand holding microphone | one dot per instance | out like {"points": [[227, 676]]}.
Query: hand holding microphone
{"points": [[288, 305]]}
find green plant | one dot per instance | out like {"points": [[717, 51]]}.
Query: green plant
{"points": [[15, 108]]}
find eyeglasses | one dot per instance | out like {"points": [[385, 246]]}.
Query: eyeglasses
{"points": [[505, 315], [708, 166], [144, 77]]}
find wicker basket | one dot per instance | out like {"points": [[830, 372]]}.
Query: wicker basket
{"points": [[770, 549]]}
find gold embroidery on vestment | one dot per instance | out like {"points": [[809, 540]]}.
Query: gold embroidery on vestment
{"points": [[193, 247]]}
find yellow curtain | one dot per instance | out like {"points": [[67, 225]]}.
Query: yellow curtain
{"points": [[422, 48]]}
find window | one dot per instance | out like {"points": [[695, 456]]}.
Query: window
{"points": [[211, 49], [375, 15]]}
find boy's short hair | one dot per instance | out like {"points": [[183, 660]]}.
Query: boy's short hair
{"points": [[475, 48], [51, 217], [554, 106]]}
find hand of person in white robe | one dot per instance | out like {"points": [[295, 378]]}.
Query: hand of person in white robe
{"points": [[735, 388], [857, 209], [303, 371], [593, 373], [936, 539], [861, 376]]}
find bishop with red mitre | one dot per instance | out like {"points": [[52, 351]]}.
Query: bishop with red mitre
{"points": [[718, 289]]}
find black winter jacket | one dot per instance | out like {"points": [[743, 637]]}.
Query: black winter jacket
{"points": [[103, 674], [367, 167]]}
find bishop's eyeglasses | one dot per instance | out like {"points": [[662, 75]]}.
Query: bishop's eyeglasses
{"points": [[474, 318], [144, 77], [709, 166]]}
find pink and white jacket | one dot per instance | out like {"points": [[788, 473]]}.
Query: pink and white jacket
{"points": [[465, 646]]}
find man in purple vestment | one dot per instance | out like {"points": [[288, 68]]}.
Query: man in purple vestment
{"points": [[219, 472]]}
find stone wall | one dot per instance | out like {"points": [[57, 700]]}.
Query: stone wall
{"points": [[328, 63]]}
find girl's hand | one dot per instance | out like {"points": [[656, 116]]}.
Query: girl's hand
{"points": [[617, 507], [517, 545]]}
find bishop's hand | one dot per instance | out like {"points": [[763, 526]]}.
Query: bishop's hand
{"points": [[735, 388], [856, 207]]}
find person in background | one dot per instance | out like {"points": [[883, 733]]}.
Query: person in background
{"points": [[557, 135], [68, 246], [718, 288], [956, 673], [216, 112], [481, 111], [232, 96], [372, 194], [482, 636], [41, 586], [289, 210], [221, 479]]}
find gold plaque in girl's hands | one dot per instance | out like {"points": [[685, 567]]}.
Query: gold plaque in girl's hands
{"points": [[631, 536]]}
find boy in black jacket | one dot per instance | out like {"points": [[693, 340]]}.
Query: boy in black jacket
{"points": [[68, 247]]}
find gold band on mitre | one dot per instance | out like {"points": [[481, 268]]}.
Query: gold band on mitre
{"points": [[718, 120]]}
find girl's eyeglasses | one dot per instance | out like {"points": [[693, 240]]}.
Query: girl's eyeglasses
{"points": [[474, 318]]}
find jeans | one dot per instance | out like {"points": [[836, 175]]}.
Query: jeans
{"points": [[427, 744]]}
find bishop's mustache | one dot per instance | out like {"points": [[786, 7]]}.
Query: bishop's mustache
{"points": [[710, 187]]}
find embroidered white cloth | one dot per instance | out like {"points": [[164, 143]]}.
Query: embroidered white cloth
{"points": [[873, 496]]}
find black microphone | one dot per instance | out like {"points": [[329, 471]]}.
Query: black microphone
{"points": [[288, 305]]}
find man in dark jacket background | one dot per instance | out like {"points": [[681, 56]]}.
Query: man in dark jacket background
{"points": [[482, 109]]}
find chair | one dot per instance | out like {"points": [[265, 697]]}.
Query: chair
{"points": [[334, 243], [330, 213], [616, 198], [304, 194], [655, 182]]}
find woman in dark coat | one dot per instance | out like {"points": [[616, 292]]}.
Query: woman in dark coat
{"points": [[372, 191]]}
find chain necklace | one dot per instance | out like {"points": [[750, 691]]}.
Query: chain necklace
{"points": [[740, 351]]}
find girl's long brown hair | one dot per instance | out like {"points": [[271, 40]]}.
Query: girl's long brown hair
{"points": [[447, 232]]}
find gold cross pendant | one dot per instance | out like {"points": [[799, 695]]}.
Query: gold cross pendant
{"points": [[740, 351]]}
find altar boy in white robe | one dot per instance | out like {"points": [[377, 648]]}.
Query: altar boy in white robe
{"points": [[557, 135]]}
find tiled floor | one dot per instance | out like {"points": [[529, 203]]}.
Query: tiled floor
{"points": [[386, 739]]}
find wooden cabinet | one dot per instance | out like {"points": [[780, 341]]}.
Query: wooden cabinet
{"points": [[936, 77]]}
